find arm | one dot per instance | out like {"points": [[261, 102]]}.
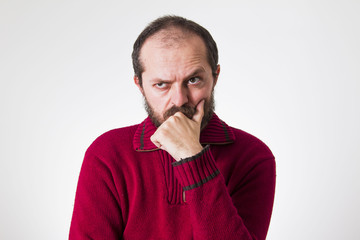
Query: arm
{"points": [[217, 214], [96, 213]]}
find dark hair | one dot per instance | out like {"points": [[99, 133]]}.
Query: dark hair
{"points": [[166, 22]]}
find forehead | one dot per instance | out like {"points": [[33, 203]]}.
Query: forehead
{"points": [[172, 45]]}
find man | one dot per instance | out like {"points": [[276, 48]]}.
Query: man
{"points": [[182, 173]]}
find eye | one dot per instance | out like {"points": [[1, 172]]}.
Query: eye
{"points": [[194, 80], [160, 85]]}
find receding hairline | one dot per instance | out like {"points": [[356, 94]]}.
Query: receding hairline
{"points": [[171, 37]]}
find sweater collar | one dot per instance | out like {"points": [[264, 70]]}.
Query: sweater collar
{"points": [[215, 132]]}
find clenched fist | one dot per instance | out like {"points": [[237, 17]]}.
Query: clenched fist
{"points": [[179, 135]]}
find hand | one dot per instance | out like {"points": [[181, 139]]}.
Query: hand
{"points": [[179, 135]]}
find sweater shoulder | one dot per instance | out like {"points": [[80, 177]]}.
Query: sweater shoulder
{"points": [[113, 140], [251, 156], [251, 144]]}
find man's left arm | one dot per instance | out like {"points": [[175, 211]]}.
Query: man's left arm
{"points": [[215, 213]]}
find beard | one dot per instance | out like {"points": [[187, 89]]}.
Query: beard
{"points": [[188, 111]]}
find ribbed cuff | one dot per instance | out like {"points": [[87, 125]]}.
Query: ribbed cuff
{"points": [[195, 171]]}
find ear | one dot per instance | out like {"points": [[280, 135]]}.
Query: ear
{"points": [[137, 83], [217, 74]]}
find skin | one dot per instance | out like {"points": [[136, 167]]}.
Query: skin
{"points": [[176, 72]]}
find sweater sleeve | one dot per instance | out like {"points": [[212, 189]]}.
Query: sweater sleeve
{"points": [[216, 213], [96, 212]]}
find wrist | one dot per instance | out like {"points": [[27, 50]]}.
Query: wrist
{"points": [[194, 150]]}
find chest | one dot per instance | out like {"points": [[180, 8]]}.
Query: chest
{"points": [[151, 199]]}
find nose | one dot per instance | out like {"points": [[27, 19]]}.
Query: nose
{"points": [[179, 96]]}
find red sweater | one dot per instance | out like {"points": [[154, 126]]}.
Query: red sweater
{"points": [[129, 189]]}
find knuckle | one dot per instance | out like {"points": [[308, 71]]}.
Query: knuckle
{"points": [[173, 119], [165, 125]]}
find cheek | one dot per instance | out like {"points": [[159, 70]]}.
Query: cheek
{"points": [[157, 102], [197, 96]]}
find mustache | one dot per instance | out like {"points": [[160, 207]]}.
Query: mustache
{"points": [[187, 110]]}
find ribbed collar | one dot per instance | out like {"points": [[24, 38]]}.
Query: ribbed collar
{"points": [[215, 132]]}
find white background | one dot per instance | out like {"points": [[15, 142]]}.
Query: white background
{"points": [[290, 75]]}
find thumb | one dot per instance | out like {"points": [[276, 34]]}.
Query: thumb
{"points": [[199, 112]]}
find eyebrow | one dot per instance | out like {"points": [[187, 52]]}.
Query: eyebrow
{"points": [[194, 73]]}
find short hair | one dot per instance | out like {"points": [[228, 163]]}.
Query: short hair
{"points": [[167, 22]]}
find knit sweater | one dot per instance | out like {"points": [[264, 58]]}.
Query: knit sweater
{"points": [[130, 189]]}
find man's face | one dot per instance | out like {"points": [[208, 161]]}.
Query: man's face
{"points": [[176, 76]]}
